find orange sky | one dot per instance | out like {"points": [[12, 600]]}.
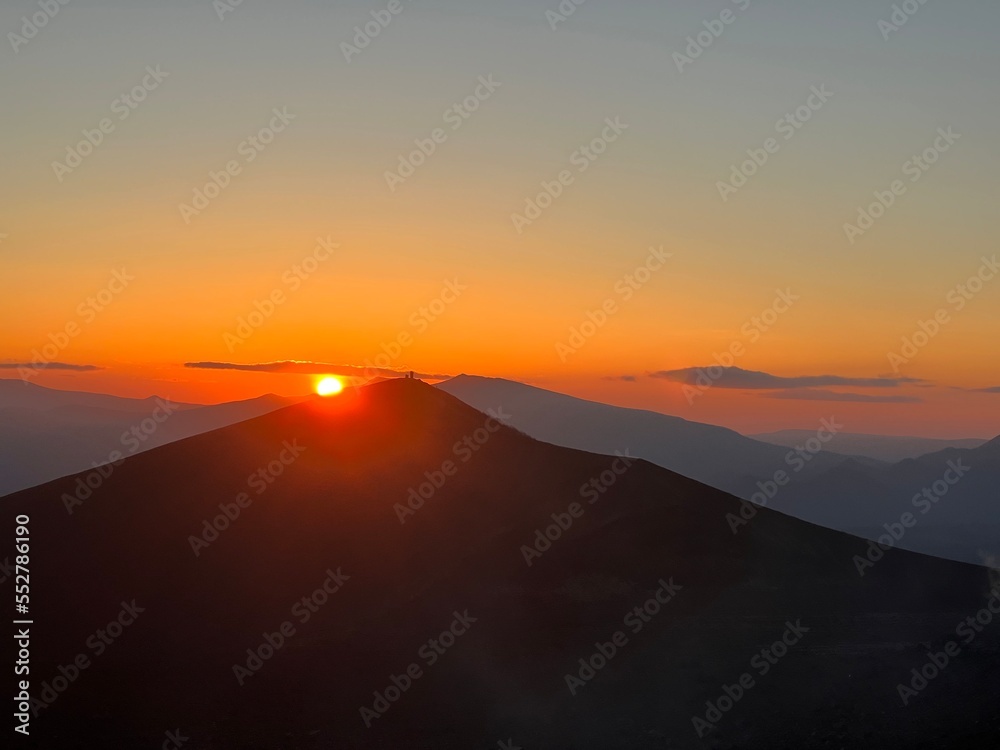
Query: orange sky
{"points": [[649, 181]]}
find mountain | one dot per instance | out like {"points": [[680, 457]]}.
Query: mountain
{"points": [[951, 494], [888, 448], [290, 580], [47, 433], [17, 393], [855, 494], [716, 456]]}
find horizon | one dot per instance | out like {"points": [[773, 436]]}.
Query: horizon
{"points": [[701, 194], [310, 389]]}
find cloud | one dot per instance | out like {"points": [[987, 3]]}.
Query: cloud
{"points": [[750, 380], [988, 390], [813, 394], [622, 378], [48, 366], [293, 367]]}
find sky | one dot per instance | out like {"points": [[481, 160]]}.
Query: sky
{"points": [[604, 202]]}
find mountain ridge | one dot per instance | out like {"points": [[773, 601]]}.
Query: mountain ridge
{"points": [[334, 471]]}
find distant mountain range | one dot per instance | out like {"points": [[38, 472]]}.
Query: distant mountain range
{"points": [[953, 496], [713, 455], [354, 572], [47, 433], [855, 494], [888, 448]]}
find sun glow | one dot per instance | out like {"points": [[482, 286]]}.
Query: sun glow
{"points": [[329, 386]]}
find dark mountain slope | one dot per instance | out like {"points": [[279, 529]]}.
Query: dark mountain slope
{"points": [[332, 509]]}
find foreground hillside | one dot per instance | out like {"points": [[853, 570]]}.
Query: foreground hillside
{"points": [[335, 608]]}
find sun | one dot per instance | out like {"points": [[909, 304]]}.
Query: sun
{"points": [[329, 386]]}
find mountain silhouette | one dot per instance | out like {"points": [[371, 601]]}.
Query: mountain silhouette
{"points": [[716, 456], [886, 448], [855, 494], [952, 495], [47, 433], [434, 621]]}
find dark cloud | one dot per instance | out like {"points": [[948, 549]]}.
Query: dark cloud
{"points": [[812, 394], [622, 378], [293, 367], [48, 366], [988, 390], [738, 378]]}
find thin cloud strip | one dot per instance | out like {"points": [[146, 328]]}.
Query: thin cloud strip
{"points": [[294, 367], [751, 380], [49, 366], [812, 394]]}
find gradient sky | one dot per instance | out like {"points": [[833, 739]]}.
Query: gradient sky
{"points": [[655, 186]]}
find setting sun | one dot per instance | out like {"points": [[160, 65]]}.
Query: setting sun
{"points": [[329, 387]]}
